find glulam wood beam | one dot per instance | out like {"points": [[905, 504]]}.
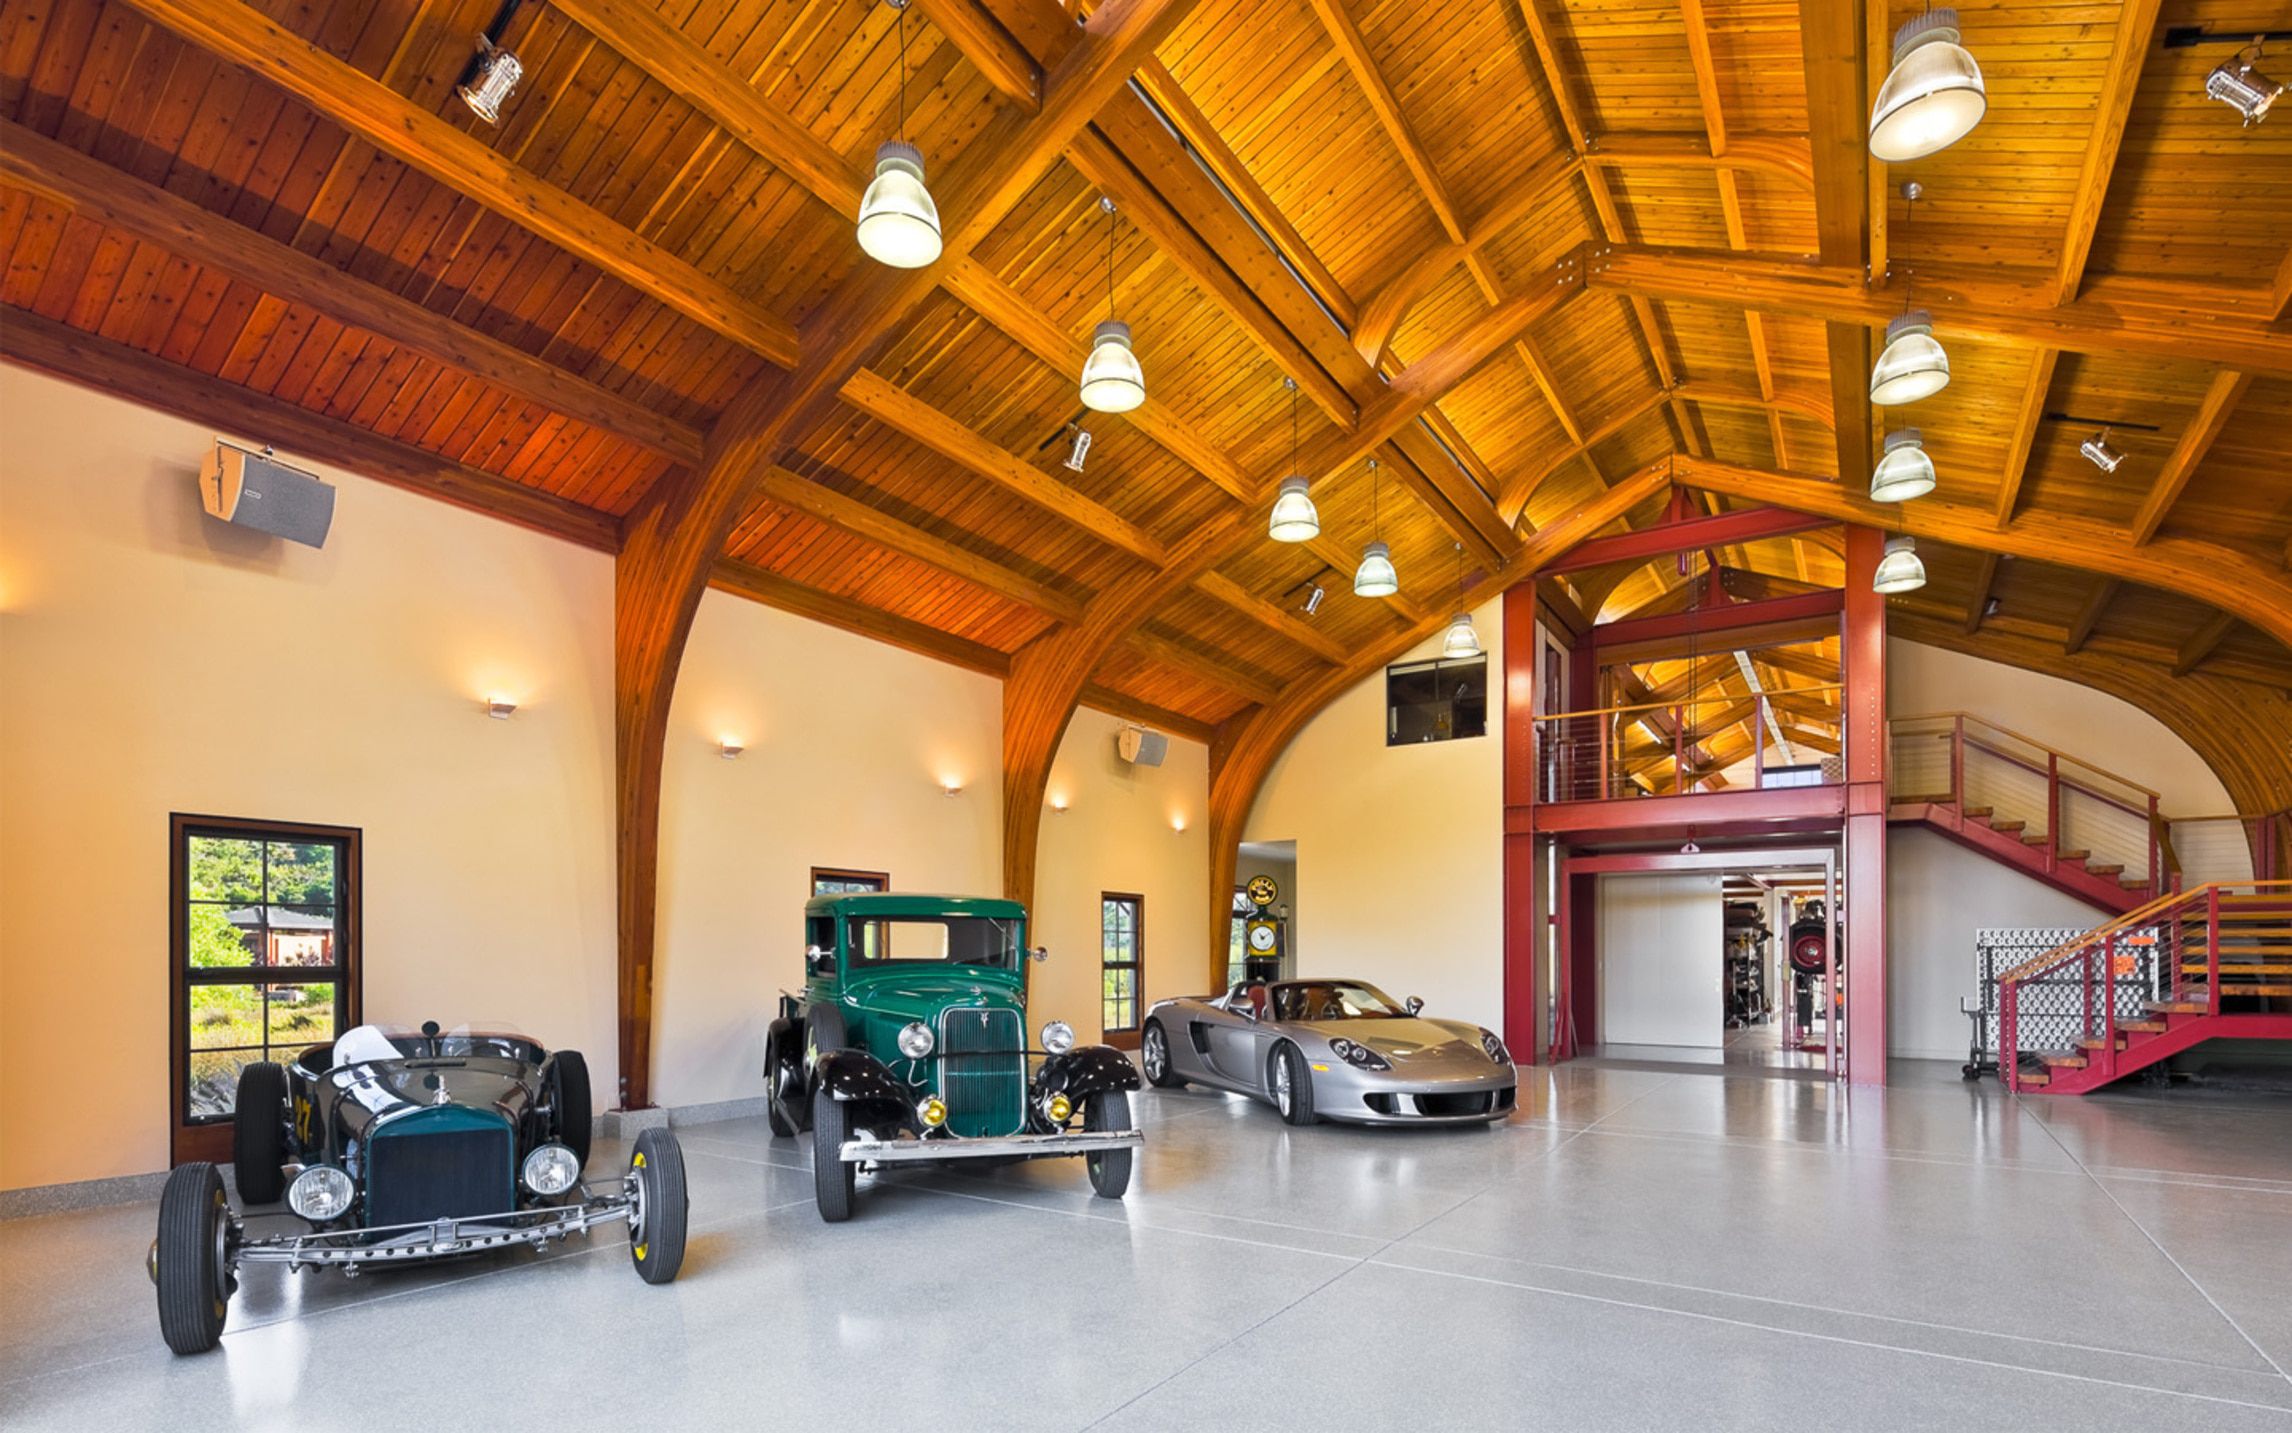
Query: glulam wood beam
{"points": [[1985, 582], [380, 116], [2213, 412], [1354, 51], [259, 420], [2212, 573], [1456, 499], [1217, 671], [2089, 616], [97, 192], [2201, 643], [2136, 39], [989, 47], [1271, 615], [2028, 413]]}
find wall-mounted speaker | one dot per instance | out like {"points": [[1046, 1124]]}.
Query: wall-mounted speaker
{"points": [[1141, 747], [256, 490]]}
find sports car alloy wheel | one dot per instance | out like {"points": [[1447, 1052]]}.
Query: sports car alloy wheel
{"points": [[1157, 1054], [1283, 1094]]}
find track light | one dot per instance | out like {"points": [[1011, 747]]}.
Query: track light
{"points": [[492, 79], [1899, 570], [1905, 472], [2237, 84], [1913, 365], [1294, 517], [898, 222], [1314, 598], [1112, 381], [2098, 452], [1078, 449], [1933, 97]]}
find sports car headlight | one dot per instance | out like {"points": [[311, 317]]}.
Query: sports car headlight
{"points": [[1495, 1048], [320, 1193], [1058, 1037], [915, 1040], [551, 1169], [1360, 1057]]}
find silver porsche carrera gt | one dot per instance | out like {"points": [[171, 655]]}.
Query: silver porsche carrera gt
{"points": [[1330, 1050]]}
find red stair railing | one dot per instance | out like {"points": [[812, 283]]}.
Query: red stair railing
{"points": [[2080, 993]]}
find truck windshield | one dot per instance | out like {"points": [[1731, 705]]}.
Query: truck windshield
{"points": [[925, 940]]}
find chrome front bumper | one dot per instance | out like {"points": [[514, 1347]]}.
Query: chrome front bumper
{"points": [[1009, 1146], [353, 1248]]}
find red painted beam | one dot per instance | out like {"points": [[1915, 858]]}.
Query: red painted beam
{"points": [[1718, 621], [1708, 812], [1726, 530]]}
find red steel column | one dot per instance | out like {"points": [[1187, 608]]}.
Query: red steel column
{"points": [[1523, 926], [1862, 653]]}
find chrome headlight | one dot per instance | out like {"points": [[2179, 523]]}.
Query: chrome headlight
{"points": [[915, 1040], [1058, 1037], [320, 1193], [551, 1169], [1494, 1048], [1360, 1057]]}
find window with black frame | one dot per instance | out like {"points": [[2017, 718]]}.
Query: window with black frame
{"points": [[1122, 955], [833, 881], [265, 955], [1436, 701]]}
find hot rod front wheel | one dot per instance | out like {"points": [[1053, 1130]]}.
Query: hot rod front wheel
{"points": [[657, 1206], [1106, 1111], [191, 1261]]}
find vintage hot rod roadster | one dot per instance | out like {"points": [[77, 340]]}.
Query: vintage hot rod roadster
{"points": [[909, 1045], [397, 1146]]}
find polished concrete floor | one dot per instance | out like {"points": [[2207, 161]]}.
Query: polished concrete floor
{"points": [[1650, 1243]]}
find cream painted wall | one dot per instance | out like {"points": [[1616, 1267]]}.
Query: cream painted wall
{"points": [[1120, 833], [152, 661], [849, 745], [1400, 848]]}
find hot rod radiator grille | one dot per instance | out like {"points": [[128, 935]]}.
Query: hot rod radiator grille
{"points": [[983, 1071], [439, 1174]]}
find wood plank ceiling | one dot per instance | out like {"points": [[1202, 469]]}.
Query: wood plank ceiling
{"points": [[1528, 250]]}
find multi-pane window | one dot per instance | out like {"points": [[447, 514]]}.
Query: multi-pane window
{"points": [[829, 881], [265, 945], [1122, 950]]}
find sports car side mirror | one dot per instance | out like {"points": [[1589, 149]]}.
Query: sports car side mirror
{"points": [[1415, 1003], [1040, 952]]}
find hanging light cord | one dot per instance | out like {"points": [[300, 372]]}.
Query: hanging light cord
{"points": [[1909, 270], [1376, 513], [1111, 221], [902, 23]]}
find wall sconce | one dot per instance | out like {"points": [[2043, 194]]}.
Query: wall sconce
{"points": [[1178, 824], [729, 749], [950, 787], [1058, 805], [500, 708]]}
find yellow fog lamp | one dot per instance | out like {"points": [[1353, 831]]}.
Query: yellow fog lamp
{"points": [[1058, 1107], [932, 1111]]}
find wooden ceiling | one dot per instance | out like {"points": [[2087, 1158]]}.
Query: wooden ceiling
{"points": [[1516, 251]]}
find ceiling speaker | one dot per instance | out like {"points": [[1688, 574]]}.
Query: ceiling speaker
{"points": [[1141, 747], [256, 490]]}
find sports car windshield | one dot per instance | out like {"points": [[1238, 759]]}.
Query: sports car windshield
{"points": [[1333, 1000], [943, 940]]}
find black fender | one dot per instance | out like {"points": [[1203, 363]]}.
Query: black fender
{"points": [[875, 1095], [1084, 1071], [783, 1039]]}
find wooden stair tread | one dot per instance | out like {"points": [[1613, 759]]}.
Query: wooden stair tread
{"points": [[2093, 870], [2179, 1007], [2005, 828], [2235, 968], [2072, 856], [2063, 1059], [1978, 813]]}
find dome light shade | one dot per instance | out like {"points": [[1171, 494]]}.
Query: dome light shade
{"points": [[1375, 576], [1905, 472], [1899, 570], [1933, 97], [1461, 640], [1294, 517], [1112, 381], [1913, 365], [898, 223]]}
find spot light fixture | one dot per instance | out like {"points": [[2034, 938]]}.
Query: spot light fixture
{"points": [[1078, 448], [1900, 569], [1933, 96], [2098, 452], [898, 222], [1905, 472], [491, 80], [1294, 517], [1314, 599], [1375, 576], [2237, 84], [1112, 381]]}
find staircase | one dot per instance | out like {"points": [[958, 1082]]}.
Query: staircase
{"points": [[2210, 963], [2082, 830]]}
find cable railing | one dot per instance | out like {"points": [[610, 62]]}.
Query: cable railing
{"points": [[1670, 748], [2183, 954]]}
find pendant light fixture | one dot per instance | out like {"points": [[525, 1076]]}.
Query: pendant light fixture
{"points": [[1112, 381], [1932, 98], [1461, 641], [898, 223], [1905, 472], [1294, 516], [1375, 576], [1899, 570], [1912, 365]]}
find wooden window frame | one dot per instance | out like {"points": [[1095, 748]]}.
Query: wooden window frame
{"points": [[882, 879], [1127, 1037], [212, 1141]]}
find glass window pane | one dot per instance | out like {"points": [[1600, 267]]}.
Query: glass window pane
{"points": [[301, 874], [214, 1081], [225, 868], [299, 935], [225, 937], [299, 1016], [225, 1017]]}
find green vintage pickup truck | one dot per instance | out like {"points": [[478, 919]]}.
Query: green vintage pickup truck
{"points": [[909, 1044]]}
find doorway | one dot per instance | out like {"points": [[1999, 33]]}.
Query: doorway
{"points": [[1263, 944]]}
